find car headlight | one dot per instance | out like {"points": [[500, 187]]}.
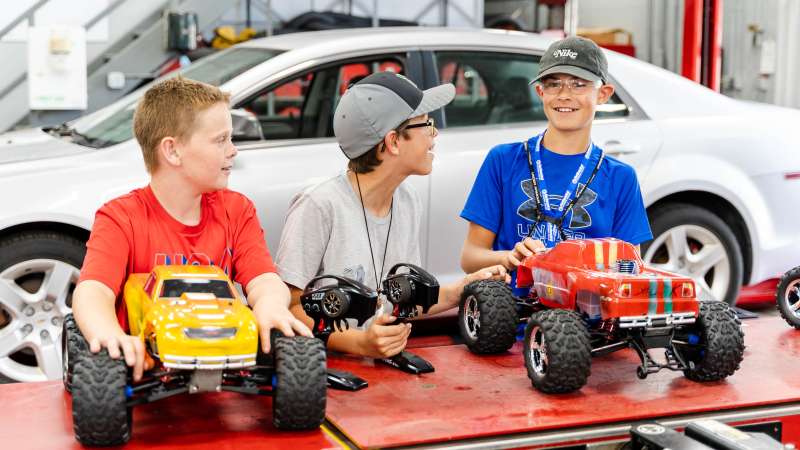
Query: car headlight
{"points": [[210, 332]]}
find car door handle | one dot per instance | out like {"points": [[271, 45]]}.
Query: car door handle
{"points": [[616, 148]]}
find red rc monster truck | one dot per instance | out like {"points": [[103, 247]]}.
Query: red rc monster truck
{"points": [[595, 296]]}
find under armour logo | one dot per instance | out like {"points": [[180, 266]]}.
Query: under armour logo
{"points": [[565, 53], [579, 218]]}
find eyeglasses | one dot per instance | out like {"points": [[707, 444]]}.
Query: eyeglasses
{"points": [[575, 85], [429, 123]]}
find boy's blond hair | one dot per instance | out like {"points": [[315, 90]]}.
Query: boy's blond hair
{"points": [[169, 108]]}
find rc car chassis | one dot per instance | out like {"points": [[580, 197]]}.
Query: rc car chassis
{"points": [[593, 297], [104, 394]]}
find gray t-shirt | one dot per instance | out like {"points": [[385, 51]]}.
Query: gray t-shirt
{"points": [[324, 234]]}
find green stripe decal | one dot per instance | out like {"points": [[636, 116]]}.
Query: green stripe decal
{"points": [[668, 296], [653, 300]]}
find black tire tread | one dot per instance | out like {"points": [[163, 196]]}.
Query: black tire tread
{"points": [[99, 413], [301, 394], [74, 344], [498, 316], [724, 343], [569, 351], [780, 296]]}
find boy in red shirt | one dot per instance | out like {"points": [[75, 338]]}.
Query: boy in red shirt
{"points": [[184, 216]]}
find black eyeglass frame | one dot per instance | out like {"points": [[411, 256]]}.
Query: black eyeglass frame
{"points": [[428, 123]]}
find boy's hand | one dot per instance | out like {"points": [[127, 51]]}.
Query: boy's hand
{"points": [[497, 272], [271, 315], [522, 250], [132, 349], [382, 340]]}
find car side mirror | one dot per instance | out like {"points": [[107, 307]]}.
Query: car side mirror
{"points": [[246, 126]]}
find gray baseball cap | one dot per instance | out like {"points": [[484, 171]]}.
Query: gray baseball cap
{"points": [[377, 105], [574, 56]]}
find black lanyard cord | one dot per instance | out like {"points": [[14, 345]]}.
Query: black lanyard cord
{"points": [[558, 222], [369, 241]]}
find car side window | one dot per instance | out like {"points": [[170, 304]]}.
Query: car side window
{"points": [[491, 88], [149, 284], [303, 106], [613, 108], [494, 88]]}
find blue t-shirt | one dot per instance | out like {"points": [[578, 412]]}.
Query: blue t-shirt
{"points": [[502, 198]]}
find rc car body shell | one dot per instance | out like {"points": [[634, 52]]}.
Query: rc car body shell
{"points": [[198, 327], [584, 275]]}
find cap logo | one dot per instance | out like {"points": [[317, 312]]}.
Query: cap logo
{"points": [[565, 53]]}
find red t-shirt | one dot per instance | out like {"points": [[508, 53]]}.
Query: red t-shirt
{"points": [[133, 233]]}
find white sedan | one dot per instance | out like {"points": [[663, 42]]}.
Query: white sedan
{"points": [[720, 177]]}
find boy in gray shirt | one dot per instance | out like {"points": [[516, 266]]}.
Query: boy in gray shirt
{"points": [[367, 219]]}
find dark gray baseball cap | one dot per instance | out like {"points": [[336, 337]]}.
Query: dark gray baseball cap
{"points": [[378, 104], [576, 56]]}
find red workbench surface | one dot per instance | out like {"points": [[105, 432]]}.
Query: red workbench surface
{"points": [[468, 397], [471, 396], [39, 416]]}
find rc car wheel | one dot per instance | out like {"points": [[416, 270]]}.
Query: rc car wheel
{"points": [[714, 345], [335, 303], [99, 414], [72, 342], [558, 353], [488, 316], [788, 297], [300, 382]]}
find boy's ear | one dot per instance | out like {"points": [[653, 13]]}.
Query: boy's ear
{"points": [[539, 89], [604, 93], [391, 142], [168, 148]]}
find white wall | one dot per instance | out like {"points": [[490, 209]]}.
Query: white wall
{"points": [[14, 52]]}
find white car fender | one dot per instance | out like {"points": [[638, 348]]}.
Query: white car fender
{"points": [[697, 172]]}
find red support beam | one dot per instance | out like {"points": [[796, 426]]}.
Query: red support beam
{"points": [[692, 39], [712, 60]]}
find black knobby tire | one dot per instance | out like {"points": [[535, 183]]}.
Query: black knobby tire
{"points": [[73, 344], [99, 414], [721, 346], [299, 397], [785, 297], [567, 347], [672, 215], [497, 322]]}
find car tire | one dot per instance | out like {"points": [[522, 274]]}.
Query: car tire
{"points": [[99, 413], [487, 317], [693, 229], [788, 294], [27, 261], [558, 352], [300, 383], [720, 347], [73, 344]]}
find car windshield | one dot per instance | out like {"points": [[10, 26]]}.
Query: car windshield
{"points": [[176, 288], [114, 124]]}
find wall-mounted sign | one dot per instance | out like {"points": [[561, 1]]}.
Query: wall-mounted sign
{"points": [[57, 68]]}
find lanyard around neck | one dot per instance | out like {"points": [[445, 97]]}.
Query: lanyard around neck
{"points": [[568, 200], [369, 240]]}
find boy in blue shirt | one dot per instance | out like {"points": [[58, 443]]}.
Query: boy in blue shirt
{"points": [[557, 185]]}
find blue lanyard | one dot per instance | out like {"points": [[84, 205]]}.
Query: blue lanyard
{"points": [[572, 193]]}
